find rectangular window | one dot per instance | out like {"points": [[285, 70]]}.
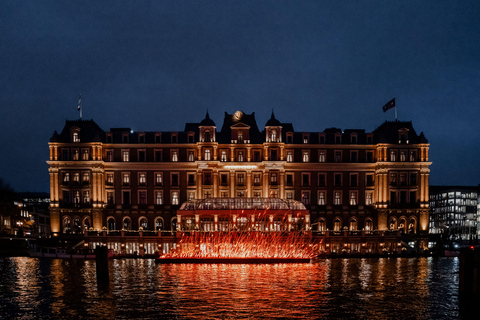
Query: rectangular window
{"points": [[393, 155], [337, 179], [158, 138], [256, 156], [223, 157], [413, 197], [85, 154], [126, 179], [354, 156], [256, 179], [413, 179], [369, 180], [191, 179], [305, 179], [321, 198], [393, 179], [322, 156], [273, 155], [403, 156], [224, 194], [369, 156], [369, 198], [76, 197], [273, 193], [207, 178], [158, 179], [224, 179], [338, 198], [191, 156], [86, 196], [76, 137], [190, 138], [322, 179], [240, 156], [393, 197], [353, 198], [191, 195], [76, 177], [338, 156], [65, 155], [289, 138], [158, 197], [175, 180], [125, 138], [174, 155], [125, 155], [413, 155], [126, 197], [66, 177], [403, 196], [142, 197], [142, 156], [353, 139], [257, 194], [289, 180], [109, 155], [142, 179], [305, 138], [141, 138], [66, 197], [306, 156], [240, 179], [75, 154], [322, 138], [158, 155], [289, 195], [403, 179], [273, 178], [110, 197], [306, 197], [175, 198], [207, 155], [353, 179], [289, 156], [85, 177]]}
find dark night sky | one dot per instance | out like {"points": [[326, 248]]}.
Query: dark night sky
{"points": [[318, 64]]}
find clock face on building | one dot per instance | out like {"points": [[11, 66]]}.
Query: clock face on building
{"points": [[238, 115]]}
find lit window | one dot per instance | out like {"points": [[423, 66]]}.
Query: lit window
{"points": [[368, 198], [110, 197], [403, 156], [412, 155], [306, 156], [174, 156], [85, 154], [274, 136], [353, 198], [338, 198], [273, 178], [322, 156], [74, 154], [76, 196], [109, 155], [223, 157], [240, 179], [240, 156], [125, 155], [321, 198], [86, 196], [158, 197], [207, 154], [66, 177], [392, 155], [110, 178], [289, 156], [175, 199], [240, 138], [142, 179], [126, 178], [191, 156], [256, 179], [338, 156], [191, 195], [158, 179], [85, 177], [306, 198], [76, 137], [76, 177]]}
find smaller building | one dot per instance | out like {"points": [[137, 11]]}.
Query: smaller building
{"points": [[454, 213]]}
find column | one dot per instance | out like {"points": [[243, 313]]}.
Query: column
{"points": [[199, 185], [249, 183], [215, 184], [265, 184], [232, 183], [282, 185]]}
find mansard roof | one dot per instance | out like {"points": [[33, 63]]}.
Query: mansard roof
{"points": [[272, 122], [388, 132], [236, 119], [89, 131]]}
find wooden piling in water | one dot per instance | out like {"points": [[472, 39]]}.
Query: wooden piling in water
{"points": [[101, 258]]}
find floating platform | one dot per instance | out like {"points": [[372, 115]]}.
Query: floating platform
{"points": [[233, 260]]}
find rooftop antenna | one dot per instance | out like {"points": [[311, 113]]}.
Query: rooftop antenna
{"points": [[79, 107]]}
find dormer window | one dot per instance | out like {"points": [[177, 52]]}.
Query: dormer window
{"points": [[125, 138], [289, 137], [403, 136], [207, 137], [240, 138], [141, 138], [274, 136], [305, 138], [76, 137], [353, 138], [174, 138]]}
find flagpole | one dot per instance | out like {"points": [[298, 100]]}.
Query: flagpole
{"points": [[395, 113]]}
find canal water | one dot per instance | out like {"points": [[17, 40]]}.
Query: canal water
{"points": [[363, 288]]}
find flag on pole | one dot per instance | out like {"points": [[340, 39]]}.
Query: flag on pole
{"points": [[390, 104], [79, 103]]}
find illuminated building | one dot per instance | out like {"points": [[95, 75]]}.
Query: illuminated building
{"points": [[351, 181], [454, 213]]}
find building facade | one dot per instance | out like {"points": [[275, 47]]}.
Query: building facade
{"points": [[348, 180], [454, 213]]}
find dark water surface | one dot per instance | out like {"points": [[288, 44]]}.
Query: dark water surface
{"points": [[402, 288]]}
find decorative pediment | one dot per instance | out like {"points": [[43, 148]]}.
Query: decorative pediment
{"points": [[240, 125]]}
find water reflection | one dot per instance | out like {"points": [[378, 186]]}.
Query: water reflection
{"points": [[420, 288]]}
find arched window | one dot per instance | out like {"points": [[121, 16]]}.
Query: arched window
{"points": [[353, 224], [412, 225], [174, 224], [322, 225], [207, 137], [369, 224], [143, 223], [392, 224], [159, 224], [127, 223], [87, 223], [67, 224], [77, 227], [337, 224], [403, 224], [111, 224], [274, 136]]}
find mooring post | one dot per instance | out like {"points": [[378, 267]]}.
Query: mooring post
{"points": [[469, 275], [101, 258]]}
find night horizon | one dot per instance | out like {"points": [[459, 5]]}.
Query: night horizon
{"points": [[156, 66]]}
